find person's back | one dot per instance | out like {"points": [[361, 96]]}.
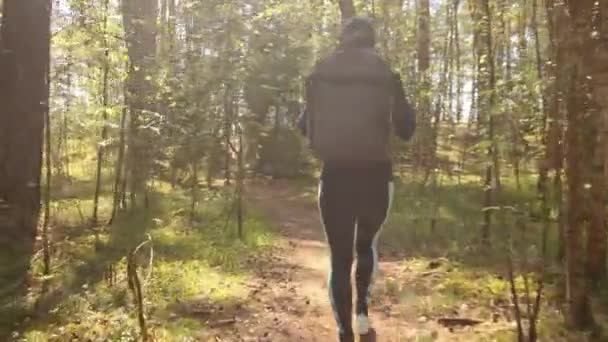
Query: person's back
{"points": [[352, 99], [349, 98]]}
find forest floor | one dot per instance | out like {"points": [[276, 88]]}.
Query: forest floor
{"points": [[289, 300], [207, 285]]}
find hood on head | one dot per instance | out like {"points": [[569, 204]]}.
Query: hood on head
{"points": [[358, 32]]}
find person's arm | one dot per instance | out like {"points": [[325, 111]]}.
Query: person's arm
{"points": [[404, 115]]}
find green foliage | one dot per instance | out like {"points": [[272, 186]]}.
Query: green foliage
{"points": [[417, 226], [282, 155], [191, 261]]}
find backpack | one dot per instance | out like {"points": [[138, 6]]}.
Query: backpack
{"points": [[349, 99]]}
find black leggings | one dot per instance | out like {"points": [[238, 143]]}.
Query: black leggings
{"points": [[353, 211]]}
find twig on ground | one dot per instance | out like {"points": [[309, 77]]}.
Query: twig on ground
{"points": [[450, 322], [136, 287], [222, 323]]}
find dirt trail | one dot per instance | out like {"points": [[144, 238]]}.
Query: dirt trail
{"points": [[289, 299]]}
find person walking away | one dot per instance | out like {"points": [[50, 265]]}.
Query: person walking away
{"points": [[352, 100]]}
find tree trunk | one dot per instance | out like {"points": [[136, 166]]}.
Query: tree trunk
{"points": [[424, 139], [579, 313], [139, 19], [476, 111], [24, 95], [228, 122], [516, 134], [555, 131], [240, 180], [104, 116], [459, 78], [61, 148], [597, 67], [452, 27], [118, 173], [445, 108], [194, 191], [543, 170], [443, 105], [46, 253], [347, 9], [486, 79], [596, 235]]}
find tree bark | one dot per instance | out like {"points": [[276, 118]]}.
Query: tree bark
{"points": [[579, 313], [555, 132], [596, 66], [118, 173], [228, 131], [62, 152], [194, 190], [424, 140], [139, 19], [459, 78], [347, 9], [104, 115], [24, 95], [486, 78], [46, 253], [543, 171], [240, 183]]}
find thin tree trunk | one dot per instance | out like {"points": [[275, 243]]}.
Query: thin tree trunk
{"points": [[118, 178], [46, 253], [555, 153], [104, 116], [516, 136], [62, 149], [477, 54], [228, 121], [452, 25], [459, 76], [486, 78], [240, 186], [424, 143], [492, 132], [539, 69], [124, 184], [543, 172], [500, 40], [65, 129], [441, 108], [194, 191], [445, 79]]}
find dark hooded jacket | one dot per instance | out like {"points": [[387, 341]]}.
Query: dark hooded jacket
{"points": [[358, 33]]}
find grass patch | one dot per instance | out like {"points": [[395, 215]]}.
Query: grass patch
{"points": [[423, 290], [195, 257], [446, 221]]}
